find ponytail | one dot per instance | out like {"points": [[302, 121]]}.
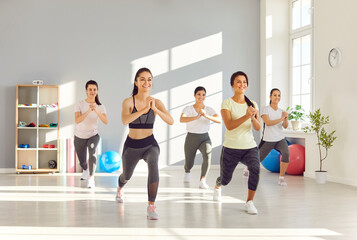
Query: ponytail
{"points": [[97, 100], [249, 103], [135, 89], [92, 82]]}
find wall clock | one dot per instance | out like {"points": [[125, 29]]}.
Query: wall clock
{"points": [[334, 57]]}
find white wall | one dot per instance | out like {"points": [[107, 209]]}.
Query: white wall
{"points": [[68, 42], [335, 89]]}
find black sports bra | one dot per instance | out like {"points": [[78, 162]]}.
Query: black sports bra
{"points": [[145, 121]]}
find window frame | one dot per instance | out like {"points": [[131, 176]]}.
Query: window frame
{"points": [[298, 33]]}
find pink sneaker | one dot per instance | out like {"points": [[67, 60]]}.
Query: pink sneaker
{"points": [[151, 213], [246, 173]]}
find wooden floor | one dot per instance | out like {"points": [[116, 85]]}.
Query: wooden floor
{"points": [[60, 207]]}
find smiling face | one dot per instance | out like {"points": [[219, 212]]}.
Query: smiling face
{"points": [[144, 82], [200, 96], [275, 97], [240, 84], [92, 90]]}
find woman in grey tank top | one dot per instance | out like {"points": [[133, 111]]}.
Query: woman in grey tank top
{"points": [[139, 112]]}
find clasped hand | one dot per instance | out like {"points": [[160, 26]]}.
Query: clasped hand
{"points": [[284, 115], [150, 103], [201, 113], [251, 112], [93, 107]]}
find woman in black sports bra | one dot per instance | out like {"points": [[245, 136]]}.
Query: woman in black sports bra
{"points": [[139, 112]]}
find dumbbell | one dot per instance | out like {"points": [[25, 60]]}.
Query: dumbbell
{"points": [[29, 167]]}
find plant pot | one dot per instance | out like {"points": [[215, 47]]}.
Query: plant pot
{"points": [[321, 176], [296, 124]]}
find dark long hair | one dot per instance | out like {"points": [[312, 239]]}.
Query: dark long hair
{"points": [[92, 82], [271, 92], [240, 73], [199, 88], [135, 89]]}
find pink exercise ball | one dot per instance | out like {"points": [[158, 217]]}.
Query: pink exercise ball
{"points": [[296, 159]]}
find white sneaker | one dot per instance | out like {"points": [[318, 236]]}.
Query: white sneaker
{"points": [[85, 174], [250, 208], [186, 178], [120, 196], [151, 213], [217, 194], [203, 184], [246, 173], [282, 182], [91, 182]]}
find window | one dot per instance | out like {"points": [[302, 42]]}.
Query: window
{"points": [[301, 36]]}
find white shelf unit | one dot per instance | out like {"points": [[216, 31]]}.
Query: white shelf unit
{"points": [[43, 109]]}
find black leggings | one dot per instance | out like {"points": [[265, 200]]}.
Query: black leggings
{"points": [[135, 150], [82, 145], [202, 142], [229, 160], [281, 146]]}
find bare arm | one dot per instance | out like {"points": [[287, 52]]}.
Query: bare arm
{"points": [[102, 116], [214, 118], [126, 115], [232, 124], [284, 119], [285, 122], [159, 108], [185, 119], [80, 117], [256, 120], [269, 122]]}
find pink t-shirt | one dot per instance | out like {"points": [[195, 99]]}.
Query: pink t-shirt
{"points": [[89, 126]]}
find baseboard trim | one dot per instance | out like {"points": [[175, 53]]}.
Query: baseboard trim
{"points": [[342, 180], [7, 170], [333, 179]]}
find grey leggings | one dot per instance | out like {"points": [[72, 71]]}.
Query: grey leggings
{"points": [[229, 160], [135, 150], [82, 145], [202, 142], [281, 146]]}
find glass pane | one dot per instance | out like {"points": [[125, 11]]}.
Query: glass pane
{"points": [[269, 27], [305, 79], [296, 51], [295, 101], [305, 102], [296, 89], [305, 12], [296, 18], [306, 49]]}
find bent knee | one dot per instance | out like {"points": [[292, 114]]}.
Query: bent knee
{"points": [[285, 157]]}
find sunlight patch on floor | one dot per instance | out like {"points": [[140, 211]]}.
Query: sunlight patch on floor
{"points": [[163, 233]]}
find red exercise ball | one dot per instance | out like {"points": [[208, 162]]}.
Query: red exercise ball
{"points": [[296, 159]]}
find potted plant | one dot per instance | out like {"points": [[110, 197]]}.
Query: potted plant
{"points": [[296, 115], [324, 139]]}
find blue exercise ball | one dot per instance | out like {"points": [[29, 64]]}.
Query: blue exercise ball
{"points": [[110, 161], [272, 161]]}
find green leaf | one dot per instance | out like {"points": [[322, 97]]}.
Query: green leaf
{"points": [[325, 139]]}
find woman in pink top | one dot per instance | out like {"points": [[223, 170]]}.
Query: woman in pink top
{"points": [[86, 136]]}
